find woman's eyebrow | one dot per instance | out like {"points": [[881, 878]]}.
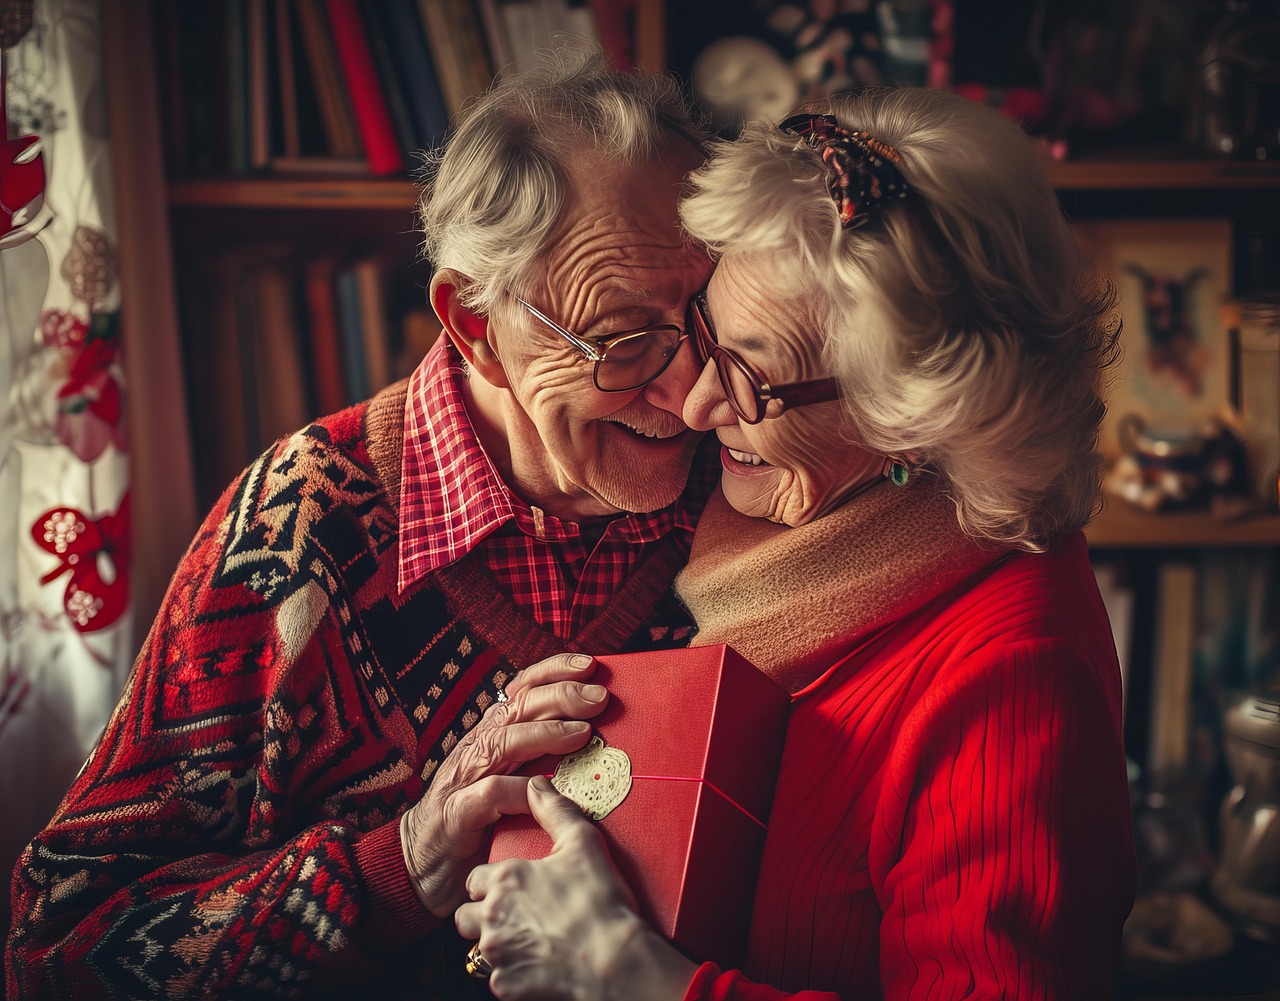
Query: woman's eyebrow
{"points": [[750, 342]]}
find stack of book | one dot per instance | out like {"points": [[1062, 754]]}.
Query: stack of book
{"points": [[344, 86], [274, 340]]}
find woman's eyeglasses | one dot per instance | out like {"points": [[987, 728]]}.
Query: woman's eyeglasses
{"points": [[625, 361], [747, 392]]}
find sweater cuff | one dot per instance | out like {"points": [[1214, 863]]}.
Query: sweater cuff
{"points": [[703, 983], [394, 915], [711, 983]]}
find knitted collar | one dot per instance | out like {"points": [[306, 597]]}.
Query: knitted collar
{"points": [[452, 497], [794, 600]]}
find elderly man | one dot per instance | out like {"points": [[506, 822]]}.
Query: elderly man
{"points": [[301, 770]]}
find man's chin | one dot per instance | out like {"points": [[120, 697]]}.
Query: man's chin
{"points": [[648, 476]]}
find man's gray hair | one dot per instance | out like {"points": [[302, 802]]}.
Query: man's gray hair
{"points": [[493, 194]]}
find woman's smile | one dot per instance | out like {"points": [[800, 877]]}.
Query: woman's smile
{"points": [[740, 462]]}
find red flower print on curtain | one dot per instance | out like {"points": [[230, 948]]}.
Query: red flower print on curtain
{"points": [[96, 554]]}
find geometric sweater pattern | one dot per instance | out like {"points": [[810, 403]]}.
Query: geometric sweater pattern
{"points": [[235, 832]]}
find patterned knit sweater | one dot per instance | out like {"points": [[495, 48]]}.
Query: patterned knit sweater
{"points": [[235, 832]]}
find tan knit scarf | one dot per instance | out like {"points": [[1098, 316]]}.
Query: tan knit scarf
{"points": [[794, 600]]}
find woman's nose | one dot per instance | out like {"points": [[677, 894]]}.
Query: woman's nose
{"points": [[706, 406]]}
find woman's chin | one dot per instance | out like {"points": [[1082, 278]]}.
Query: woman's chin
{"points": [[744, 497], [755, 497]]}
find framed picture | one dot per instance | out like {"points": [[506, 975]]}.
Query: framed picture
{"points": [[1173, 277]]}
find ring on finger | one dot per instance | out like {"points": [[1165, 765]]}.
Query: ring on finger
{"points": [[477, 965]]}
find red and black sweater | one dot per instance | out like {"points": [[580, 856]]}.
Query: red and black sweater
{"points": [[235, 832]]}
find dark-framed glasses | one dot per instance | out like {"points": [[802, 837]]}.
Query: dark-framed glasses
{"points": [[746, 391], [624, 361]]}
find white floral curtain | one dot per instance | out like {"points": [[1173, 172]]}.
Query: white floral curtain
{"points": [[65, 630]]}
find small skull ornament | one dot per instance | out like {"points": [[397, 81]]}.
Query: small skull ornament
{"points": [[597, 778]]}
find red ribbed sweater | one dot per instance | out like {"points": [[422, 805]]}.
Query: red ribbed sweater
{"points": [[952, 818]]}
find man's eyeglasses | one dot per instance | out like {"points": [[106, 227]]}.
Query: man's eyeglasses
{"points": [[747, 392], [624, 361]]}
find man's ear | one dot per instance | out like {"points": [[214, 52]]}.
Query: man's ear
{"points": [[468, 330]]}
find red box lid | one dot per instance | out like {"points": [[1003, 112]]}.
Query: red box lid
{"points": [[703, 729]]}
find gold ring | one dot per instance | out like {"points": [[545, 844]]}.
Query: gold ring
{"points": [[477, 965]]}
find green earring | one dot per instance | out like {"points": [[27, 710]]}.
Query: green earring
{"points": [[898, 473]]}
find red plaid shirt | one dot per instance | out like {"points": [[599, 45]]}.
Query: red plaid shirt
{"points": [[452, 501]]}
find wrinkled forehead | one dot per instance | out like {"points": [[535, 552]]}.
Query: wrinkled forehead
{"points": [[593, 172], [770, 276], [750, 297], [619, 246]]}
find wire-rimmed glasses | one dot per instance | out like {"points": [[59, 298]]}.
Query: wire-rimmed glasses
{"points": [[625, 361], [747, 392]]}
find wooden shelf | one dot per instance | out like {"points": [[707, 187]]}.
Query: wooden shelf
{"points": [[1151, 172], [1134, 173], [1122, 526], [295, 193]]}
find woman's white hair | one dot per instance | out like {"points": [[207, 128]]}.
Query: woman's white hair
{"points": [[966, 335], [493, 194]]}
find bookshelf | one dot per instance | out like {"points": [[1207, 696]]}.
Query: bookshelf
{"points": [[211, 212], [1163, 170], [222, 210], [1122, 526]]}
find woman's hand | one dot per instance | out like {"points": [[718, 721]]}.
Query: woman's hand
{"points": [[442, 834], [566, 926]]}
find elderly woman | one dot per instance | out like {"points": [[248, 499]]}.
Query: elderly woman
{"points": [[903, 362]]}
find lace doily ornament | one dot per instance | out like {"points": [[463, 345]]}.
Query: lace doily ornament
{"points": [[90, 267], [597, 778]]}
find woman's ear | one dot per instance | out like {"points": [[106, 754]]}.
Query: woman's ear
{"points": [[469, 331]]}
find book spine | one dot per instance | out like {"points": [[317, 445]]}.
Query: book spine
{"points": [[211, 346], [291, 139], [457, 48], [259, 81], [244, 331], [176, 100], [529, 29], [1171, 686], [282, 392], [495, 35], [373, 323], [347, 297], [337, 119], [367, 99], [418, 69], [395, 88], [650, 35], [203, 85], [324, 341], [238, 85], [615, 22]]}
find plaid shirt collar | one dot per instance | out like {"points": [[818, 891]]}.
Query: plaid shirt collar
{"points": [[451, 496]]}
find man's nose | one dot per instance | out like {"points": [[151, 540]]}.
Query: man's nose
{"points": [[671, 388], [706, 407]]}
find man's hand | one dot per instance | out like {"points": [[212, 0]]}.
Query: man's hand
{"points": [[566, 927], [442, 834]]}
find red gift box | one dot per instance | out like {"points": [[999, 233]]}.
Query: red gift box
{"points": [[703, 729]]}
